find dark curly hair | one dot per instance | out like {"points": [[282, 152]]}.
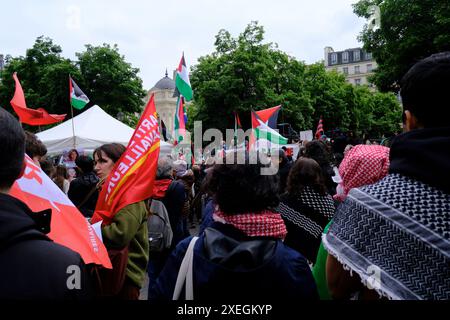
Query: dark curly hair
{"points": [[241, 188], [306, 172], [34, 146], [318, 151]]}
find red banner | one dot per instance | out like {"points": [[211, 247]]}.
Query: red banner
{"points": [[33, 117], [68, 226], [131, 179]]}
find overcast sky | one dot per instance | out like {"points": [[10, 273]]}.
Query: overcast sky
{"points": [[153, 34]]}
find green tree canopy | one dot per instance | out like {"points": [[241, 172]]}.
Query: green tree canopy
{"points": [[244, 73], [409, 30], [101, 72], [109, 80]]}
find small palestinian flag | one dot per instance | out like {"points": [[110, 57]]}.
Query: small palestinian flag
{"points": [[78, 99], [182, 82]]}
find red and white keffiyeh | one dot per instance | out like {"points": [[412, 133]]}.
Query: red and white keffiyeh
{"points": [[362, 165], [261, 224]]}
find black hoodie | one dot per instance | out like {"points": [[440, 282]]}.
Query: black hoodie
{"points": [[31, 265], [424, 155]]}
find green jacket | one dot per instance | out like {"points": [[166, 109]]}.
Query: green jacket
{"points": [[320, 269], [129, 227]]}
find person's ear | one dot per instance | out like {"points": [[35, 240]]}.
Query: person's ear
{"points": [[410, 121]]}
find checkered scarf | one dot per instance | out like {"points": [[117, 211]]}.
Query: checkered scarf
{"points": [[261, 224], [362, 165]]}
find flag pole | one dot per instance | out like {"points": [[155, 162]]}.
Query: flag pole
{"points": [[73, 127], [71, 111]]}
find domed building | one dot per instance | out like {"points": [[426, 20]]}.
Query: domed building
{"points": [[165, 101]]}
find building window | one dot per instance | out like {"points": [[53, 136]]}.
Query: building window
{"points": [[358, 82], [333, 58], [369, 68], [345, 56], [356, 55], [345, 69], [357, 70], [368, 56]]}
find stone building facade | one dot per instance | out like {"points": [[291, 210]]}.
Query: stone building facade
{"points": [[356, 64]]}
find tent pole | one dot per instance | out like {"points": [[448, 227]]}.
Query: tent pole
{"points": [[73, 128]]}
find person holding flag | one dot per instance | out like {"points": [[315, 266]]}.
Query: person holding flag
{"points": [[127, 176]]}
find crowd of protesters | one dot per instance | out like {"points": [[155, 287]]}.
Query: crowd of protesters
{"points": [[354, 221]]}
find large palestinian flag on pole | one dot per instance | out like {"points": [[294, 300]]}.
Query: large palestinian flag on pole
{"points": [[78, 99], [182, 82]]}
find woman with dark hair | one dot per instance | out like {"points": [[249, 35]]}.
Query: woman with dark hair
{"points": [[318, 151], [306, 207], [241, 255], [73, 155], [128, 227]]}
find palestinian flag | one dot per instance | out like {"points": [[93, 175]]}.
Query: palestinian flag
{"points": [[182, 82], [268, 117], [266, 137], [78, 99], [179, 126]]}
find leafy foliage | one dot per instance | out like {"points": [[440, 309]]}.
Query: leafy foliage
{"points": [[101, 72], [244, 73], [410, 30]]}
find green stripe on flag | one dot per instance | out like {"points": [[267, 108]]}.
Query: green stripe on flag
{"points": [[77, 103], [273, 137], [183, 87]]}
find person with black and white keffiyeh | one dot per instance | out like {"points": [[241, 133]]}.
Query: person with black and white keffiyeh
{"points": [[306, 207], [395, 234]]}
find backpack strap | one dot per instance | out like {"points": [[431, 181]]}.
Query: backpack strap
{"points": [[185, 274]]}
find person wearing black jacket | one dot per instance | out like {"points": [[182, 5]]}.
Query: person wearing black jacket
{"points": [[394, 234], [31, 265], [83, 192]]}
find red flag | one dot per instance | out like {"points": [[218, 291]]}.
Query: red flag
{"points": [[34, 117], [131, 179], [68, 226], [319, 130], [237, 121]]}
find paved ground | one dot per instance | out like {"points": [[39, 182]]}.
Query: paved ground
{"points": [[144, 291]]}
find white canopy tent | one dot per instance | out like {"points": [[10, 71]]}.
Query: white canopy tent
{"points": [[93, 128]]}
